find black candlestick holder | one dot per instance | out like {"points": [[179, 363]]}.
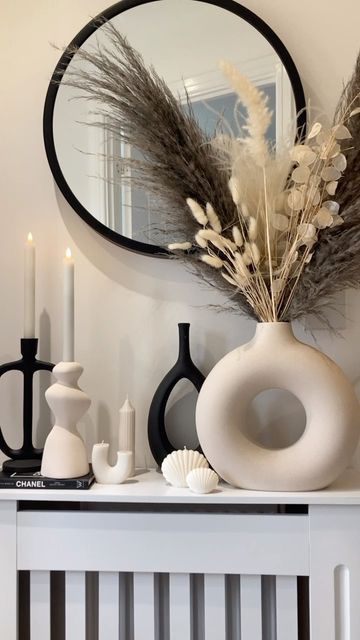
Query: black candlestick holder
{"points": [[27, 458]]}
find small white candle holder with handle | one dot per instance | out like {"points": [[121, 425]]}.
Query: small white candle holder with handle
{"points": [[64, 451]]}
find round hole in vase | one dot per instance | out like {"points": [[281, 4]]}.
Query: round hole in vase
{"points": [[180, 416], [275, 419], [275, 358]]}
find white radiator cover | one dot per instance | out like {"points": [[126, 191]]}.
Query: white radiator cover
{"points": [[142, 606], [133, 564]]}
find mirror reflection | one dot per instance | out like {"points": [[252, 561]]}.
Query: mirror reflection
{"points": [[184, 40]]}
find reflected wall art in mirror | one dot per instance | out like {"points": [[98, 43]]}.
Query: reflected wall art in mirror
{"points": [[184, 40]]}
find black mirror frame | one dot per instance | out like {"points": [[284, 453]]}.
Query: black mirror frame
{"points": [[80, 38]]}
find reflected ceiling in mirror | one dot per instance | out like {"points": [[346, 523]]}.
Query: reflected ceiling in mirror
{"points": [[184, 40]]}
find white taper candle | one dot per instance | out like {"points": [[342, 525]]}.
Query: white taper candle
{"points": [[68, 309], [29, 288], [127, 430]]}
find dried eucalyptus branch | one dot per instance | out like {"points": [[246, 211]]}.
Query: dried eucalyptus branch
{"points": [[284, 202], [336, 263]]}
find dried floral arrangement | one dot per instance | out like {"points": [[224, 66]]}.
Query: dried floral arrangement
{"points": [[278, 231]]}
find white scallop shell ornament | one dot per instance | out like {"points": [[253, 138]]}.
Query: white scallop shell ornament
{"points": [[178, 464], [202, 480]]}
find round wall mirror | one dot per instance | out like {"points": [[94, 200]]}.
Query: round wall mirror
{"points": [[184, 40]]}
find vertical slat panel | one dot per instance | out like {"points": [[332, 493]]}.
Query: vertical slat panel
{"points": [[342, 603], [126, 607], [57, 605], [144, 606], [91, 605], [40, 605], [24, 605], [197, 606], [268, 607], [8, 571], [286, 608], [108, 606], [214, 602], [75, 609], [352, 605], [232, 607], [162, 622], [250, 599], [180, 606]]}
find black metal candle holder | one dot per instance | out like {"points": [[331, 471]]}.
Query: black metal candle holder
{"points": [[27, 458]]}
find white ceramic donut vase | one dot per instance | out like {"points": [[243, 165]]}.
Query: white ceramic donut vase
{"points": [[274, 358]]}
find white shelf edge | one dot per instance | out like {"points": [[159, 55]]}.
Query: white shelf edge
{"points": [[150, 488]]}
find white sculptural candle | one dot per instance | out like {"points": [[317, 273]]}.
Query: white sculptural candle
{"points": [[127, 430], [29, 288], [104, 472]]}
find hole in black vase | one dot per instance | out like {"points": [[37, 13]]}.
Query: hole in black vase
{"points": [[275, 419], [180, 416]]}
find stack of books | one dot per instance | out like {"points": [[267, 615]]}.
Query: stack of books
{"points": [[37, 481]]}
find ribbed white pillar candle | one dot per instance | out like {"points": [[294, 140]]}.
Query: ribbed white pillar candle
{"points": [[127, 430]]}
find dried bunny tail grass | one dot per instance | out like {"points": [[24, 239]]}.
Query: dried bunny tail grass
{"points": [[202, 242], [197, 211], [182, 246], [213, 218], [219, 241], [253, 228], [213, 261], [237, 235], [258, 115], [234, 189]]}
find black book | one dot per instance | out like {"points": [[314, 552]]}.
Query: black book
{"points": [[37, 481]]}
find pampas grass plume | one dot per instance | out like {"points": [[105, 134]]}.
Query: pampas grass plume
{"points": [[258, 115]]}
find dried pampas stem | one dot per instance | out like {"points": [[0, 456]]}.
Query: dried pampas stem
{"points": [[135, 104]]}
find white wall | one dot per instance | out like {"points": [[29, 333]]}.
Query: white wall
{"points": [[127, 305]]}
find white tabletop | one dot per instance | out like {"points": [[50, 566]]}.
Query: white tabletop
{"points": [[149, 487]]}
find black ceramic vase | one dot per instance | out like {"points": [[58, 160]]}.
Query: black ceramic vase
{"points": [[184, 368]]}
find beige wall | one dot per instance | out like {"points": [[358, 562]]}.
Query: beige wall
{"points": [[127, 305]]}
